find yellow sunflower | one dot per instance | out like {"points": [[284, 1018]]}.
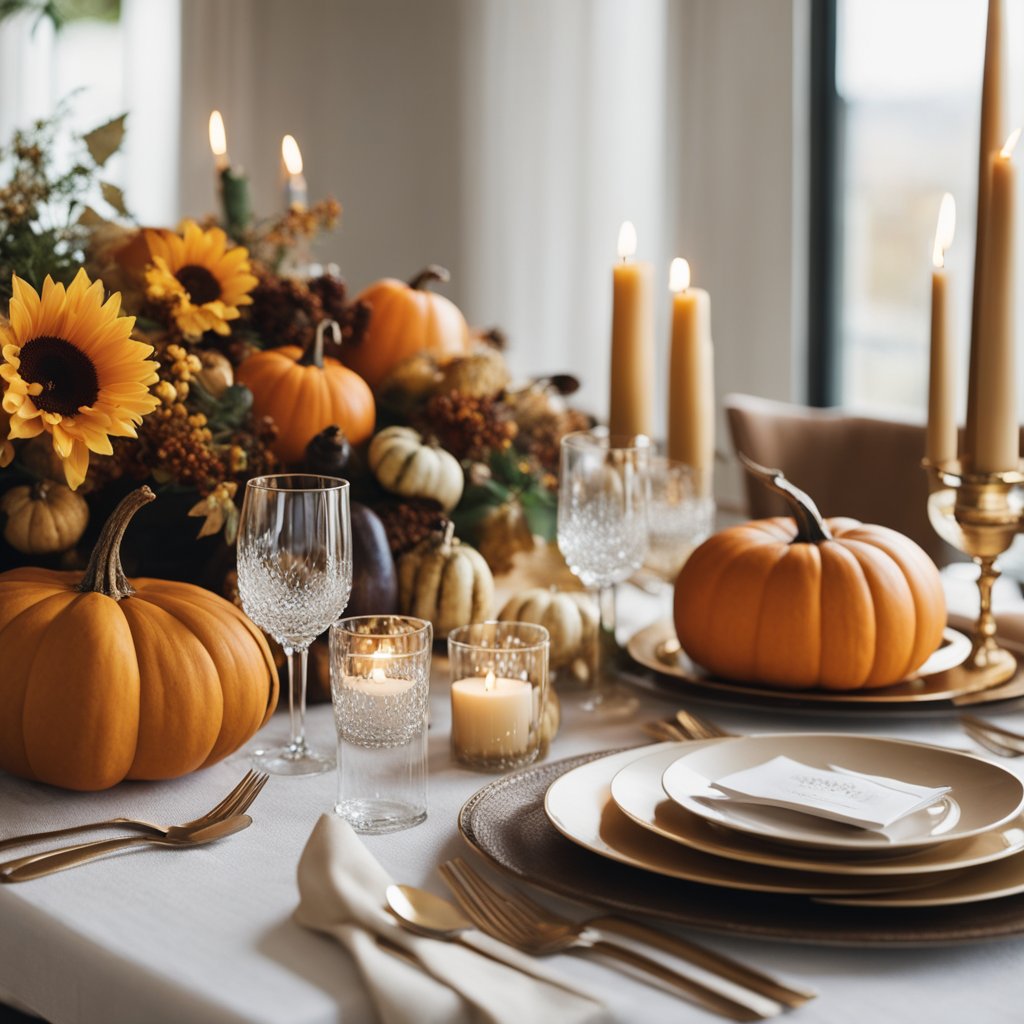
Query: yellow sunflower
{"points": [[72, 370], [203, 280]]}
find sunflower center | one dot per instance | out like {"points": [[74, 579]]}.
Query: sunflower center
{"points": [[66, 373], [200, 284]]}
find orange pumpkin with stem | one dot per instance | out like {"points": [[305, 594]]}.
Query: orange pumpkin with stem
{"points": [[104, 680], [304, 391], [807, 602], [406, 319]]}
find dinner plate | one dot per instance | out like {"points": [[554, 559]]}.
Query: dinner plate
{"points": [[505, 823], [637, 792], [580, 806], [936, 681], [976, 885], [982, 795]]}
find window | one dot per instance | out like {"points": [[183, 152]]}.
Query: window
{"points": [[908, 80]]}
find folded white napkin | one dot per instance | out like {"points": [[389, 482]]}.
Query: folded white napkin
{"points": [[341, 890], [867, 801]]}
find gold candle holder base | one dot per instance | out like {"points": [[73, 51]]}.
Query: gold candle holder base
{"points": [[979, 514]]}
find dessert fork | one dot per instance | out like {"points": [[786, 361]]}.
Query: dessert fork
{"points": [[235, 802]]}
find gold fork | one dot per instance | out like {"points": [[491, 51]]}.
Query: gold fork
{"points": [[541, 931], [61, 860], [684, 726], [993, 737], [237, 802], [217, 813]]}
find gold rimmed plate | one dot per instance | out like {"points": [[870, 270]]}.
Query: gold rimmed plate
{"points": [[637, 792], [982, 795], [580, 806], [939, 680]]}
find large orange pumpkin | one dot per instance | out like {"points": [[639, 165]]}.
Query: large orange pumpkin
{"points": [[805, 602], [406, 319], [104, 680], [304, 391]]}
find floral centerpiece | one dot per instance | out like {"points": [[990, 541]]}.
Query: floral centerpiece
{"points": [[129, 355]]}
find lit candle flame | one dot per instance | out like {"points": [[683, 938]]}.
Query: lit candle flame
{"points": [[291, 155], [678, 275], [218, 137], [1007, 151], [944, 230], [489, 681], [627, 241], [377, 675]]}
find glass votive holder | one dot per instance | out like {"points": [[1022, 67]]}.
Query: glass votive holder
{"points": [[499, 673], [380, 685]]}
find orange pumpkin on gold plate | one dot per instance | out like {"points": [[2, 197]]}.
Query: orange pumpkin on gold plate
{"points": [[105, 680], [809, 602], [304, 392], [406, 319]]}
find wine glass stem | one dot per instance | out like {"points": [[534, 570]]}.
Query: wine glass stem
{"points": [[608, 646], [297, 665]]}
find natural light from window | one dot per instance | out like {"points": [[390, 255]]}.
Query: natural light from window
{"points": [[908, 76]]}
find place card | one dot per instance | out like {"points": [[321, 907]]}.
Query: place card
{"points": [[840, 794]]}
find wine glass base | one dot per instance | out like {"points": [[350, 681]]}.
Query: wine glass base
{"points": [[611, 704], [290, 760]]}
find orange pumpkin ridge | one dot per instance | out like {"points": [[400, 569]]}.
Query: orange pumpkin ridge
{"points": [[406, 319], [305, 392], [105, 680], [807, 602]]}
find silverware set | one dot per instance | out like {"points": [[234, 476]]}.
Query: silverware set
{"points": [[684, 726], [224, 819], [520, 922]]}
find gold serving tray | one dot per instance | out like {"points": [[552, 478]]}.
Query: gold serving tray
{"points": [[941, 678]]}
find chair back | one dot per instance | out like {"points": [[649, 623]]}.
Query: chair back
{"points": [[850, 465]]}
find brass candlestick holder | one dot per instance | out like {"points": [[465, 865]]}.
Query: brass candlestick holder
{"points": [[979, 514]]}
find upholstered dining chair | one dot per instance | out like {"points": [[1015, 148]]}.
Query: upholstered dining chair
{"points": [[851, 465]]}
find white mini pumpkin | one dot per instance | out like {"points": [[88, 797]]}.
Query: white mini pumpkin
{"points": [[570, 617], [405, 464], [445, 582]]}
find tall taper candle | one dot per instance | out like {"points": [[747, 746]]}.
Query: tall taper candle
{"points": [[234, 185], [998, 439], [941, 440], [691, 389], [632, 364], [993, 89]]}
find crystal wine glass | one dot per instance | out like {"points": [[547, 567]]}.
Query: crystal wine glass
{"points": [[602, 533], [294, 578], [678, 517]]}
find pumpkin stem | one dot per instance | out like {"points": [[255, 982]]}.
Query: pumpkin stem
{"points": [[810, 527], [103, 574], [449, 534], [429, 274], [313, 354], [40, 489]]}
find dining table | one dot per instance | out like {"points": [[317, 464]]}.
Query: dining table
{"points": [[207, 934]]}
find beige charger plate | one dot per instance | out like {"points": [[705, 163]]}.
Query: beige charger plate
{"points": [[637, 791], [505, 823], [939, 678]]}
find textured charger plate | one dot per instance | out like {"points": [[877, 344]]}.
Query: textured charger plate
{"points": [[506, 823], [939, 681]]}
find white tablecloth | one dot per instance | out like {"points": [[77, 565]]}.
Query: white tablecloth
{"points": [[207, 936]]}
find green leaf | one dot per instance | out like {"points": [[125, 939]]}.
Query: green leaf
{"points": [[540, 507], [114, 196], [105, 141]]}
